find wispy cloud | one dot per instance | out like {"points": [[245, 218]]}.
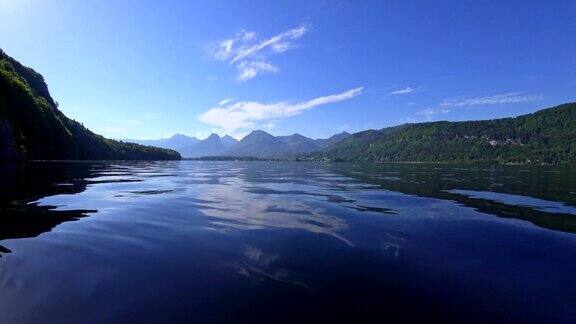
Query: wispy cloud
{"points": [[225, 101], [250, 55], [244, 115], [249, 69], [453, 104], [408, 120], [270, 125], [433, 111], [402, 91], [512, 97]]}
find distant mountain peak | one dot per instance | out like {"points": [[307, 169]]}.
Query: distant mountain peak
{"points": [[228, 141], [175, 142], [258, 133], [341, 135], [212, 138], [332, 139]]}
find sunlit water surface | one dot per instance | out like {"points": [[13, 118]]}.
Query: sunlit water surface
{"points": [[277, 242]]}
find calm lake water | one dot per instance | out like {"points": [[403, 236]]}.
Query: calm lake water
{"points": [[276, 242]]}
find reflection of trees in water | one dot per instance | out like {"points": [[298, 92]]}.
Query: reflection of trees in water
{"points": [[22, 184], [433, 181], [263, 196], [281, 195]]}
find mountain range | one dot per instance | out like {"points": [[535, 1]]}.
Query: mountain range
{"points": [[544, 137], [256, 144], [174, 142]]}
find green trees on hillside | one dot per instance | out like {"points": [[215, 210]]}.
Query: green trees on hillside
{"points": [[547, 136], [41, 131]]}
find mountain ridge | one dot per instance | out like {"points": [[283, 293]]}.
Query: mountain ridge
{"points": [[543, 137], [258, 144], [174, 142], [212, 145]]}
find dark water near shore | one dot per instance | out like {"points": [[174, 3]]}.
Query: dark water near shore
{"points": [[278, 242]]}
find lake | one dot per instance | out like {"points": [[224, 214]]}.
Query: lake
{"points": [[279, 242]]}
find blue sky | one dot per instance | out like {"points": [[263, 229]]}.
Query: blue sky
{"points": [[150, 69]]}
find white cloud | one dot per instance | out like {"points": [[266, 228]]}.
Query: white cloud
{"points": [[239, 134], [250, 55], [225, 101], [249, 69], [512, 97], [454, 104], [402, 91], [408, 120], [245, 114], [433, 111]]}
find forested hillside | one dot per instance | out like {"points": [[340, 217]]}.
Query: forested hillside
{"points": [[546, 136], [32, 126]]}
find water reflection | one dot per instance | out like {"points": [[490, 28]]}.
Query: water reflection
{"points": [[215, 241], [36, 197], [247, 210], [522, 201], [21, 185], [263, 266], [545, 184]]}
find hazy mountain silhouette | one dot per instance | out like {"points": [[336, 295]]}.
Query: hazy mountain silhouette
{"points": [[256, 144], [299, 144], [260, 144], [228, 141], [174, 143], [210, 146]]}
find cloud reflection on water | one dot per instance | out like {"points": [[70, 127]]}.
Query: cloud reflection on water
{"points": [[250, 211]]}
